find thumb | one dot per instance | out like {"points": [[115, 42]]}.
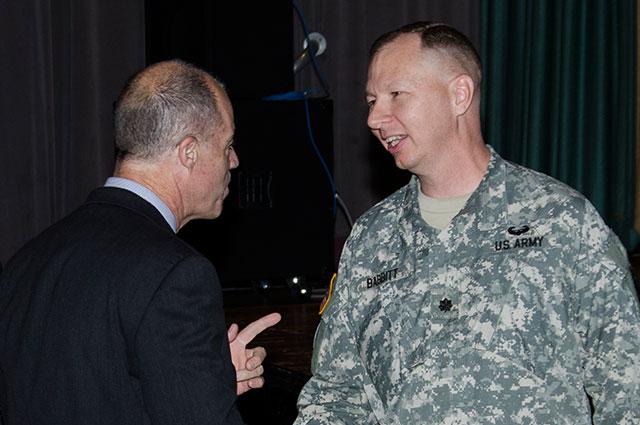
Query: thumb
{"points": [[232, 333]]}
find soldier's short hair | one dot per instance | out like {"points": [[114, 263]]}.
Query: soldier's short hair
{"points": [[441, 37]]}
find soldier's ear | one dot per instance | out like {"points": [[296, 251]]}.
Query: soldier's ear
{"points": [[462, 90], [187, 151]]}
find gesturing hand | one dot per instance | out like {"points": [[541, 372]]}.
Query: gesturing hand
{"points": [[248, 361]]}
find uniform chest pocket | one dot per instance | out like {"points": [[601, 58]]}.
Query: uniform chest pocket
{"points": [[517, 292], [460, 308], [535, 320]]}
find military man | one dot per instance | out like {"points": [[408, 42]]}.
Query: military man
{"points": [[481, 292]]}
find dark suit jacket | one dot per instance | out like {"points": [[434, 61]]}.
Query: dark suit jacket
{"points": [[108, 318]]}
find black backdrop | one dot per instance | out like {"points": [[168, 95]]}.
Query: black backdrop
{"points": [[277, 222], [63, 63], [247, 45]]}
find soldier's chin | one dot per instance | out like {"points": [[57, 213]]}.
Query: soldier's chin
{"points": [[400, 164]]}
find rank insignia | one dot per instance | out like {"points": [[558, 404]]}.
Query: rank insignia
{"points": [[445, 304]]}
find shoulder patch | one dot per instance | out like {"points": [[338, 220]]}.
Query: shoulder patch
{"points": [[327, 295]]}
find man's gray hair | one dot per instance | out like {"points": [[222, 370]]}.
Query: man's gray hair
{"points": [[161, 105]]}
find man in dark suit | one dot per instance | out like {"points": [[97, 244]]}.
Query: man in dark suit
{"points": [[107, 317]]}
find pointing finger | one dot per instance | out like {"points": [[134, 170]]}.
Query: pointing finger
{"points": [[254, 328]]}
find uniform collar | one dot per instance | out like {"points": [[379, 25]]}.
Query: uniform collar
{"points": [[486, 208], [488, 203]]}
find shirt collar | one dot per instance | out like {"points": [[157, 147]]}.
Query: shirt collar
{"points": [[146, 194]]}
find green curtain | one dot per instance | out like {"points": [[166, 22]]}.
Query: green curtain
{"points": [[637, 220], [559, 95]]}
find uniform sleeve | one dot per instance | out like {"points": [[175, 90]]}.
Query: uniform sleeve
{"points": [[335, 393], [609, 324], [182, 350]]}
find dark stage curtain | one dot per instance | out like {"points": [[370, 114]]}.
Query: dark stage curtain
{"points": [[63, 63], [559, 95], [363, 171]]}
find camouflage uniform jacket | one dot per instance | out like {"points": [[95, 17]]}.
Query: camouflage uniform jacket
{"points": [[516, 313]]}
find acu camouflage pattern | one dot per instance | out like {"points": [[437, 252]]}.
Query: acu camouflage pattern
{"points": [[535, 324]]}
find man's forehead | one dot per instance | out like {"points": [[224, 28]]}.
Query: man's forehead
{"points": [[393, 60], [227, 114], [224, 103], [402, 43]]}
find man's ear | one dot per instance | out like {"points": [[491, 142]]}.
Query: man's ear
{"points": [[188, 152], [462, 89]]}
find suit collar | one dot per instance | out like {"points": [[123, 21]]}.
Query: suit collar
{"points": [[146, 194], [129, 200]]}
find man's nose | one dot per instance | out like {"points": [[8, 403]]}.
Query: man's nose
{"points": [[378, 115], [233, 159]]}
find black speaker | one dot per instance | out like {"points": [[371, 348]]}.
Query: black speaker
{"points": [[278, 219], [248, 45]]}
